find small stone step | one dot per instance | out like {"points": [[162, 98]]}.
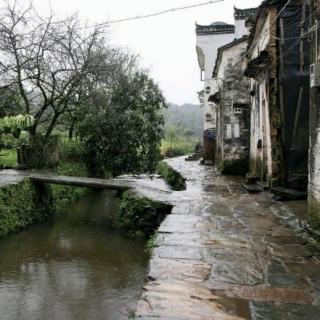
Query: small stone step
{"points": [[264, 185], [289, 194], [252, 188], [193, 157], [252, 179]]}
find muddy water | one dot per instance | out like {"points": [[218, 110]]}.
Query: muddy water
{"points": [[72, 267]]}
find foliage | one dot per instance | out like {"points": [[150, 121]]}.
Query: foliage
{"points": [[137, 215], [69, 166], [177, 148], [18, 208], [187, 121], [72, 150], [9, 101], [151, 244], [8, 158], [15, 124], [140, 216], [48, 63], [122, 132], [68, 78], [171, 176]]}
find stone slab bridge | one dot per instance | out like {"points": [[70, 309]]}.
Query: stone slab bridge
{"points": [[93, 183], [155, 189]]}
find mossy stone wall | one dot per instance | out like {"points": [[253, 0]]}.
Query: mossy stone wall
{"points": [[140, 216], [21, 205], [172, 177]]}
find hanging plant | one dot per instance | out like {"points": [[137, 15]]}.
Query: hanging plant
{"points": [[15, 124]]}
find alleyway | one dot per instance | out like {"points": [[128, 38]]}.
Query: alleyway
{"points": [[226, 254]]}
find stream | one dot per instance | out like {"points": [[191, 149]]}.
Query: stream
{"points": [[73, 267]]}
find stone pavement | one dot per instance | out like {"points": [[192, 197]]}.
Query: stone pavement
{"points": [[226, 254], [10, 177]]}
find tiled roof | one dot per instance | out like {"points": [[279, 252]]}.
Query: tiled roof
{"points": [[243, 14], [215, 28]]}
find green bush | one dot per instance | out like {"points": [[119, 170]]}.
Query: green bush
{"points": [[176, 149], [137, 215], [171, 176], [150, 244], [140, 216], [20, 207], [71, 150], [8, 158], [64, 195]]}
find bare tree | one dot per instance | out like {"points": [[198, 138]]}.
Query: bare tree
{"points": [[50, 62]]}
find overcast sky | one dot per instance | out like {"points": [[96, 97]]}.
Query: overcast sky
{"points": [[166, 44]]}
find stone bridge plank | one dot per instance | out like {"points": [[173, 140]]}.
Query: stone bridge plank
{"points": [[81, 182]]}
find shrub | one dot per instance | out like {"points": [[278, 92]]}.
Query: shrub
{"points": [[171, 176], [176, 149], [22, 205], [140, 216]]}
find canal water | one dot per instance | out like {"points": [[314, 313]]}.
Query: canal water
{"points": [[74, 267]]}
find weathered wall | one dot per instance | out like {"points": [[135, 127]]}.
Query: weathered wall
{"points": [[265, 144], [207, 47], [260, 156], [233, 133], [240, 28], [314, 125], [21, 205], [280, 104], [274, 106]]}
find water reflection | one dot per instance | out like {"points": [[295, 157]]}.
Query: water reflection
{"points": [[73, 267]]}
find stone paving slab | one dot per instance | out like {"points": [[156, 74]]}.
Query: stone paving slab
{"points": [[227, 254], [10, 177]]}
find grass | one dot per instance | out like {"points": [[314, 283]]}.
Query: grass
{"points": [[178, 147], [8, 158]]}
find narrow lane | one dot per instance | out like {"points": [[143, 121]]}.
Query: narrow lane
{"points": [[226, 254]]}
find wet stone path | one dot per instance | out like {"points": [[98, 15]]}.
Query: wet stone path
{"points": [[227, 254]]}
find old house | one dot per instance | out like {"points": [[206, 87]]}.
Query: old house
{"points": [[209, 39], [233, 108], [278, 64]]}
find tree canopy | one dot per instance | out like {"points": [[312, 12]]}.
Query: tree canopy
{"points": [[68, 77], [122, 134]]}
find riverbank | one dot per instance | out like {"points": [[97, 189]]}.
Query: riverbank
{"points": [[227, 254], [74, 266], [140, 213]]}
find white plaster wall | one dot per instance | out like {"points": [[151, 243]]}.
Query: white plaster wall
{"points": [[240, 28], [260, 120], [233, 53], [314, 172], [260, 125], [264, 38], [209, 44]]}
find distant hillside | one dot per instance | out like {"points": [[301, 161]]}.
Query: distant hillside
{"points": [[186, 120]]}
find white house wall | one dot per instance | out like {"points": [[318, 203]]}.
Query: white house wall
{"points": [[208, 45], [260, 121], [263, 40], [240, 28]]}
